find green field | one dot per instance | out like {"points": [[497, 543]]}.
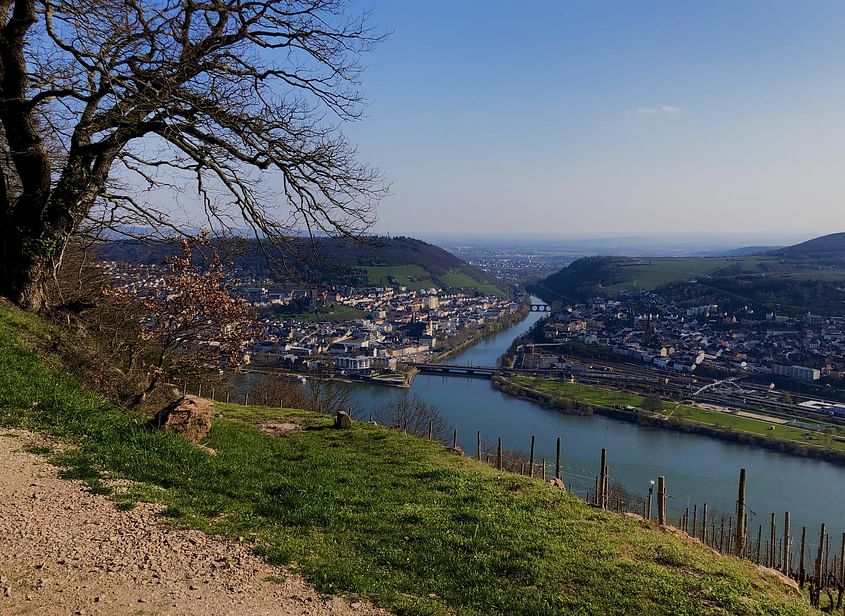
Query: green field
{"points": [[375, 513], [601, 396], [649, 273], [462, 280], [411, 276], [336, 313], [416, 277]]}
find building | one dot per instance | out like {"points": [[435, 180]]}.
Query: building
{"points": [[799, 373], [361, 363]]}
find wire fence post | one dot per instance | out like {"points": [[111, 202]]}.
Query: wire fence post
{"points": [[801, 558], [602, 487], [531, 458], [661, 500], [740, 514], [784, 564], [499, 454], [557, 461]]}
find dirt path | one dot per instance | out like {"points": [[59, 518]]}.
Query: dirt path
{"points": [[64, 550]]}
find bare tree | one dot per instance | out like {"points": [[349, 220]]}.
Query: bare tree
{"points": [[325, 395], [414, 416], [190, 322], [104, 102], [276, 390]]}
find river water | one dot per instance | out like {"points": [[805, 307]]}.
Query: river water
{"points": [[697, 468]]}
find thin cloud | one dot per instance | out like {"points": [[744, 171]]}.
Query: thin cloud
{"points": [[655, 110]]}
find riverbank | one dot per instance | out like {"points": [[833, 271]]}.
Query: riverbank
{"points": [[578, 399], [489, 329]]}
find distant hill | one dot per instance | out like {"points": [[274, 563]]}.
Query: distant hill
{"points": [[809, 276], [750, 250], [379, 261], [827, 250]]}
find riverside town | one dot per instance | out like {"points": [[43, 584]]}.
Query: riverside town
{"points": [[390, 308]]}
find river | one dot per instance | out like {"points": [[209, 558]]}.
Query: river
{"points": [[697, 468]]}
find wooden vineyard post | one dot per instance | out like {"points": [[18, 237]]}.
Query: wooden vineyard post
{"points": [[499, 454], [544, 468], [661, 500], [648, 505], [704, 524], [841, 575], [602, 496], [801, 557], [430, 430], [454, 438], [478, 446], [784, 564], [819, 556], [759, 541], [557, 460], [531, 458], [227, 397], [772, 542], [740, 515]]}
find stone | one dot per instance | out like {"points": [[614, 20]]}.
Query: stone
{"points": [[342, 420], [557, 483], [189, 416], [455, 450]]}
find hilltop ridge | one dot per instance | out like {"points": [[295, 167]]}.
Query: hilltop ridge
{"points": [[375, 260], [791, 280]]}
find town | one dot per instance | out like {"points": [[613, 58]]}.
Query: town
{"points": [[642, 326], [399, 326], [367, 333]]}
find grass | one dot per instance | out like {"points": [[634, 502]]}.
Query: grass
{"points": [[334, 314], [650, 273], [411, 276], [602, 396], [376, 513], [417, 277], [461, 280]]}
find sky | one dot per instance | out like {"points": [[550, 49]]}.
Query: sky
{"points": [[591, 117]]}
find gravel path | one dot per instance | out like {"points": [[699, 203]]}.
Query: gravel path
{"points": [[64, 550]]}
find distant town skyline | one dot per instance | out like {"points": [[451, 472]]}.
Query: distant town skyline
{"points": [[607, 117]]}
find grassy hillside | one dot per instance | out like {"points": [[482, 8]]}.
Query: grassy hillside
{"points": [[377, 260], [373, 512], [792, 280], [827, 250], [418, 277]]}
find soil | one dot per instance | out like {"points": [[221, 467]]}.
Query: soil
{"points": [[68, 551]]}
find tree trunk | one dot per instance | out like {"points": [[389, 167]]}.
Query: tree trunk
{"points": [[23, 271]]}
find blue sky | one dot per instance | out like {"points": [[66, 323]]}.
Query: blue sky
{"points": [[593, 117]]}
